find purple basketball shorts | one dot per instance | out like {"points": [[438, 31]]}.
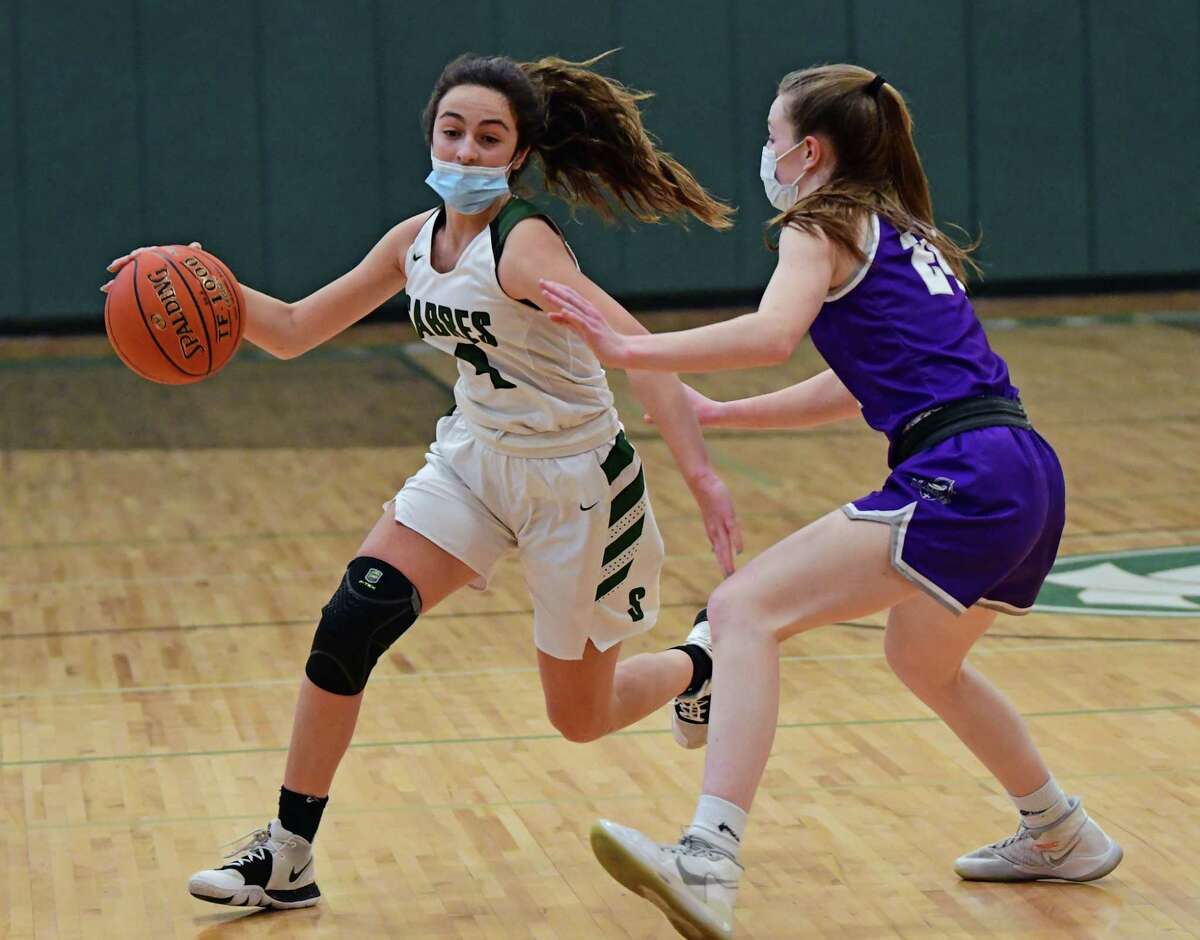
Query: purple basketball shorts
{"points": [[975, 519]]}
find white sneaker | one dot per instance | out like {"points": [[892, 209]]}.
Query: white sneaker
{"points": [[693, 882], [1072, 849], [271, 868], [689, 718]]}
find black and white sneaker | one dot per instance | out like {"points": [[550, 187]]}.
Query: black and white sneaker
{"points": [[689, 720], [270, 868]]}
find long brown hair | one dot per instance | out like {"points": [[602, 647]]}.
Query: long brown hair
{"points": [[586, 131], [877, 165]]}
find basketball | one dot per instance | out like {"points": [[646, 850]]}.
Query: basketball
{"points": [[174, 314]]}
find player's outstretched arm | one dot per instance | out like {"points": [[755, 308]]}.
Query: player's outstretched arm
{"points": [[287, 330], [819, 400], [534, 250], [790, 304]]}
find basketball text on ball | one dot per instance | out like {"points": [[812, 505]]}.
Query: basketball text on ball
{"points": [[174, 315], [189, 343], [215, 290]]}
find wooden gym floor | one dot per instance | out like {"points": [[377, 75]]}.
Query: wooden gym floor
{"points": [[163, 553]]}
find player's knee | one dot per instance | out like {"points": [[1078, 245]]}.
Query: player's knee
{"points": [[577, 725], [371, 609], [917, 667], [733, 615], [900, 657]]}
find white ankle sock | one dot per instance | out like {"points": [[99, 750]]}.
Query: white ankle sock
{"points": [[720, 823], [1044, 806]]}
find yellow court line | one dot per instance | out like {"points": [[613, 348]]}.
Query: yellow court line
{"points": [[389, 677], [635, 732]]}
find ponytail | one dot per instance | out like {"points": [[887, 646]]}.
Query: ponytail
{"points": [[877, 165], [908, 175], [594, 144], [587, 132]]}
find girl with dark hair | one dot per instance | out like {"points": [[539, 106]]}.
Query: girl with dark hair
{"points": [[967, 523], [532, 460]]}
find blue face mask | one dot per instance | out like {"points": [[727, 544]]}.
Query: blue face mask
{"points": [[467, 189]]}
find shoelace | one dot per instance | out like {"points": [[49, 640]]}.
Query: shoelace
{"points": [[1015, 837], [249, 845], [694, 845], [695, 711]]}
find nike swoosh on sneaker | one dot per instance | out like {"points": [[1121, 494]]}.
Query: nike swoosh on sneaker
{"points": [[593, 506], [701, 881], [1058, 860], [297, 874]]}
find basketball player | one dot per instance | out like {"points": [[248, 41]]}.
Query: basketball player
{"points": [[967, 523], [532, 460]]}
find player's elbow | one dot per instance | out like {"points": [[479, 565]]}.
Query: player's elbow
{"points": [[778, 347], [288, 342], [287, 350]]}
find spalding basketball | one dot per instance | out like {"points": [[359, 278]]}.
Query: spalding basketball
{"points": [[174, 314]]}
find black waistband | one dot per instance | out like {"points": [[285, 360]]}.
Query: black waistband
{"points": [[966, 414]]}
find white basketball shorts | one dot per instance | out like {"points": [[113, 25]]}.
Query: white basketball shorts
{"points": [[581, 526]]}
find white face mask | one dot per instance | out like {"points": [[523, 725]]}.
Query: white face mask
{"points": [[781, 196]]}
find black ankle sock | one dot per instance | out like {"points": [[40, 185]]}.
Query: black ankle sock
{"points": [[300, 814], [701, 667]]}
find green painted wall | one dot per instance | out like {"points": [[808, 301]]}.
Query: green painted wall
{"points": [[284, 133]]}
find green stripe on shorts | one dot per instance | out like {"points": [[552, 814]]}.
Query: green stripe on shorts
{"points": [[627, 498], [624, 540], [611, 582], [620, 457]]}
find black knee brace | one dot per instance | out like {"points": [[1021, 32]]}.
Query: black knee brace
{"points": [[370, 610]]}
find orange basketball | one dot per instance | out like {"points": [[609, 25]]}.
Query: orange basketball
{"points": [[174, 314]]}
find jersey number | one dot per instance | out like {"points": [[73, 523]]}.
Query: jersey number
{"points": [[928, 262], [635, 604], [474, 355]]}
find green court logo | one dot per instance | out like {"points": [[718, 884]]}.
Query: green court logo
{"points": [[1155, 582]]}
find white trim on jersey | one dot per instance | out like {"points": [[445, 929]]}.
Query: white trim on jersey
{"points": [[872, 247]]}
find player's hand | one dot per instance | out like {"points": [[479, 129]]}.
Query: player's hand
{"points": [[706, 410], [580, 314], [116, 264], [720, 520]]}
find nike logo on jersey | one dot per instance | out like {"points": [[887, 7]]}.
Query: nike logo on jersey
{"points": [[593, 506], [297, 874]]}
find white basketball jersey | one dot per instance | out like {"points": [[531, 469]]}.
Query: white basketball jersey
{"points": [[525, 385]]}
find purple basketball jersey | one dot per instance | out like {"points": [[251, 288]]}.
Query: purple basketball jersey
{"points": [[902, 335], [975, 519]]}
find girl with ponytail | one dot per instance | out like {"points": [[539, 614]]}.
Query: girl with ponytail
{"points": [[966, 524], [532, 461]]}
